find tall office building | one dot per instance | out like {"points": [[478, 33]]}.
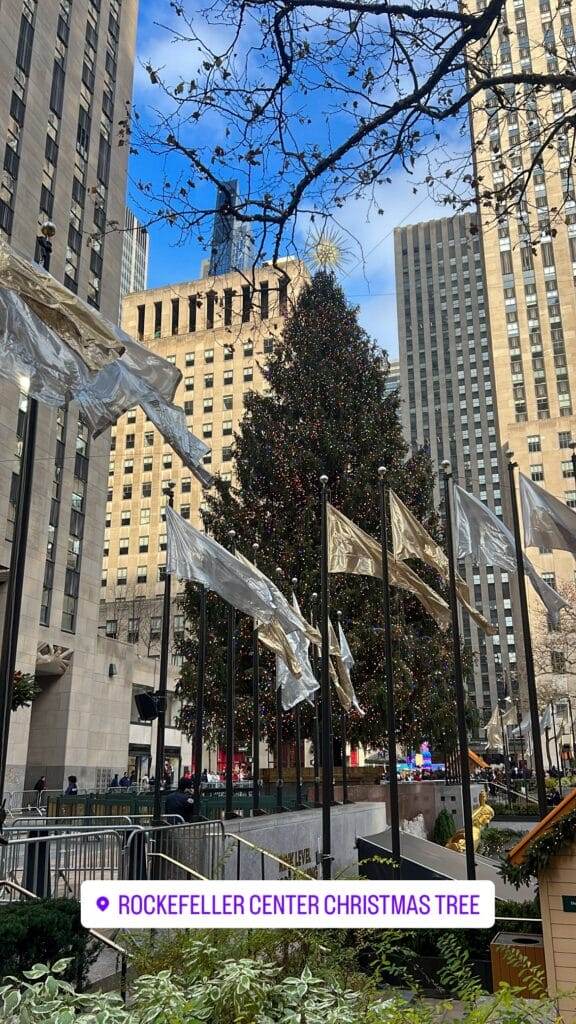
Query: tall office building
{"points": [[531, 294], [65, 77], [232, 245], [447, 393], [393, 378], [219, 333], [135, 244]]}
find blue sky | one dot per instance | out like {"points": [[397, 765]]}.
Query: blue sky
{"points": [[368, 283]]}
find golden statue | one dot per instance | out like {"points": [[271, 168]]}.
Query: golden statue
{"points": [[481, 817]]}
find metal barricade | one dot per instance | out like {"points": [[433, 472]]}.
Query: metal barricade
{"points": [[199, 846], [55, 864]]}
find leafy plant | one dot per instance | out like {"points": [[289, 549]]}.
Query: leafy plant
{"points": [[41, 931], [497, 841], [552, 843], [24, 691]]}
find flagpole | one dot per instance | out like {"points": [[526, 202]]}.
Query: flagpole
{"points": [[344, 742], [168, 491], [316, 709], [230, 700], [390, 707], [327, 752], [505, 750], [459, 682], [279, 742], [255, 711], [199, 720], [528, 655], [558, 761], [298, 740], [572, 731]]}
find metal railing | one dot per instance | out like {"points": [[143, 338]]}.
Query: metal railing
{"points": [[264, 856]]}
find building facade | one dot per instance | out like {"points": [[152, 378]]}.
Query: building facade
{"points": [[448, 406], [135, 249], [65, 78], [530, 260], [219, 332], [232, 246]]}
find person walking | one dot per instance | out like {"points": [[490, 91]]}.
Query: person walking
{"points": [[72, 788], [181, 801]]}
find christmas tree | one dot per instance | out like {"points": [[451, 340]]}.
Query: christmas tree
{"points": [[327, 411]]}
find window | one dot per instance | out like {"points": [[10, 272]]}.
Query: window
{"points": [[226, 427], [141, 574], [206, 430], [567, 468], [228, 352], [537, 472], [123, 545], [121, 577], [227, 402], [128, 465], [161, 573], [130, 438], [558, 661], [144, 516], [534, 444], [208, 380], [126, 492], [564, 438], [191, 319], [162, 542], [143, 545], [186, 485], [146, 489], [283, 297], [208, 404], [268, 346], [210, 307], [112, 628], [167, 461], [570, 498], [264, 300], [125, 518], [209, 355], [248, 348], [188, 408], [57, 89], [248, 374], [189, 359], [148, 438], [25, 40], [189, 383], [157, 319], [147, 464], [227, 454], [131, 416], [133, 631], [227, 307], [185, 511], [175, 315], [228, 378], [246, 303], [155, 628], [104, 152]]}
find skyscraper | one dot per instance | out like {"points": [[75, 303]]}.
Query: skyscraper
{"points": [[232, 245], [65, 77], [530, 258], [447, 405], [135, 244]]}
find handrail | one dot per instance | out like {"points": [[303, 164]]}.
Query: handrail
{"points": [[510, 789], [272, 856], [178, 864]]}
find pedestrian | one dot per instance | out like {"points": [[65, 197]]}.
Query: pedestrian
{"points": [[144, 781], [72, 788], [125, 781], [115, 782], [204, 775], [40, 786], [181, 802]]}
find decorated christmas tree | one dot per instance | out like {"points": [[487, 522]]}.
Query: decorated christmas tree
{"points": [[327, 411]]}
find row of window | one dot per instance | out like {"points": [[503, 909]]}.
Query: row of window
{"points": [[564, 441], [141, 576], [218, 311]]}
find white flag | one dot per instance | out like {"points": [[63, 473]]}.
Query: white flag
{"points": [[191, 555], [295, 689], [482, 535], [548, 522], [345, 649]]}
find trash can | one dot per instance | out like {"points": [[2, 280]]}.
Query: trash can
{"points": [[503, 967]]}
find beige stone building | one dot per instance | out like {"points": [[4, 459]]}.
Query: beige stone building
{"points": [[65, 78], [219, 332], [531, 292]]}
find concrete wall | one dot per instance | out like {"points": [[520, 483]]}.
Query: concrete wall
{"points": [[559, 930], [296, 838], [425, 798]]}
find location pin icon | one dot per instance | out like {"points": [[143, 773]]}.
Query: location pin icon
{"points": [[102, 903]]}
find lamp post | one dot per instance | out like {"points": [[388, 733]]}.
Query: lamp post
{"points": [[343, 741], [317, 706], [279, 769], [230, 699], [327, 752], [15, 583], [298, 739]]}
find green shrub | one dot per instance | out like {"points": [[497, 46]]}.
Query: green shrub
{"points": [[444, 828], [495, 842], [43, 931]]}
